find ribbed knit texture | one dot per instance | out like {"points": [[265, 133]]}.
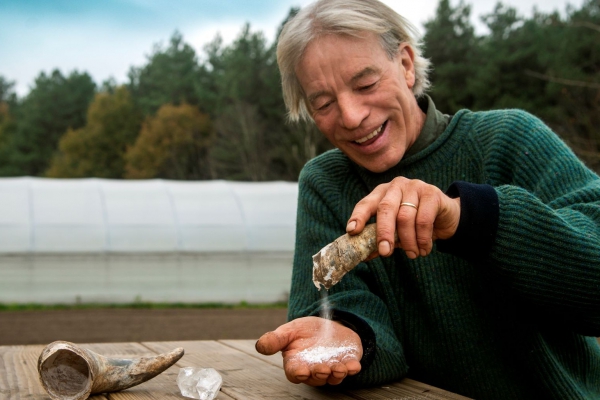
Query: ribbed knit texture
{"points": [[509, 324]]}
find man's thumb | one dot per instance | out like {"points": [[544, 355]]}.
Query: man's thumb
{"points": [[271, 343]]}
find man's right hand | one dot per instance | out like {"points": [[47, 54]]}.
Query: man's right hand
{"points": [[305, 342], [419, 213]]}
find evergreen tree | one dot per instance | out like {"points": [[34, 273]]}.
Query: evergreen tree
{"points": [[254, 140], [453, 48], [8, 102], [508, 52], [571, 75], [55, 104], [248, 106], [169, 77], [7, 94]]}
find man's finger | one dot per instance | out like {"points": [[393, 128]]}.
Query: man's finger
{"points": [[365, 209], [353, 367], [272, 342], [338, 373], [296, 371]]}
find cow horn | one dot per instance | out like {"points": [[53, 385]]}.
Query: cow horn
{"points": [[69, 372]]}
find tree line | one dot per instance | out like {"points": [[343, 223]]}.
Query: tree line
{"points": [[220, 114]]}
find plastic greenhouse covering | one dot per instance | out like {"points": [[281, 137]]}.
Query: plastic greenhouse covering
{"points": [[39, 215]]}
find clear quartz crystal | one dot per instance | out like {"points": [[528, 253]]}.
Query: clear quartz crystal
{"points": [[199, 383]]}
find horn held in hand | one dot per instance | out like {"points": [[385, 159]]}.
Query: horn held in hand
{"points": [[69, 372], [342, 255]]}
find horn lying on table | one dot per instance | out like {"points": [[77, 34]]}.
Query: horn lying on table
{"points": [[69, 372]]}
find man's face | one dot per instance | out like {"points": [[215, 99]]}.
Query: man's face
{"points": [[360, 99]]}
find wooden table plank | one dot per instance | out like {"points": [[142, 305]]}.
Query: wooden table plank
{"points": [[246, 374], [247, 346], [405, 389], [163, 386], [19, 378], [428, 391], [244, 377]]}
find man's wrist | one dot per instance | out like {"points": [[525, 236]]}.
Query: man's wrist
{"points": [[364, 332]]}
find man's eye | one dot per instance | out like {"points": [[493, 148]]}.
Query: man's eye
{"points": [[323, 106], [367, 87]]}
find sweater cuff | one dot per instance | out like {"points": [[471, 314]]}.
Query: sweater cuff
{"points": [[364, 330], [479, 213]]}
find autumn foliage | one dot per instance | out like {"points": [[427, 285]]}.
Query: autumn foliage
{"points": [[173, 144], [98, 148]]}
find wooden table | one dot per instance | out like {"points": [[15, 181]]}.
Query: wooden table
{"points": [[246, 374]]}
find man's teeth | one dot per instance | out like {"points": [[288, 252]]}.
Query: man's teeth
{"points": [[370, 136]]}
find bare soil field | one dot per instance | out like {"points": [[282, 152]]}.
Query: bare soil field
{"points": [[126, 325]]}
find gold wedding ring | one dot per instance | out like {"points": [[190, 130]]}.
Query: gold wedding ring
{"points": [[409, 204]]}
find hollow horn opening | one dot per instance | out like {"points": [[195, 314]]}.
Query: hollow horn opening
{"points": [[66, 375]]}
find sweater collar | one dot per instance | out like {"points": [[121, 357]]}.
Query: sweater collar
{"points": [[434, 126]]}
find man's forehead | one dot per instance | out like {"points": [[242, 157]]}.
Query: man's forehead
{"points": [[365, 72]]}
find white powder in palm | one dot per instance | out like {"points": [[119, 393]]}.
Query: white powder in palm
{"points": [[323, 354], [327, 354]]}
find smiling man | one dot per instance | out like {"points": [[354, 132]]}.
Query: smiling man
{"points": [[468, 300], [360, 99]]}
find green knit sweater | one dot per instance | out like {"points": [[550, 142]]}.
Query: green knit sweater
{"points": [[510, 319]]}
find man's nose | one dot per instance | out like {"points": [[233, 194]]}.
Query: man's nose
{"points": [[352, 111]]}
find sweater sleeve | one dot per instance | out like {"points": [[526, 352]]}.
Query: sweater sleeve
{"points": [[546, 251], [354, 300], [478, 222]]}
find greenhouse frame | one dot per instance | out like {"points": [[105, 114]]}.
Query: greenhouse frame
{"points": [[123, 241]]}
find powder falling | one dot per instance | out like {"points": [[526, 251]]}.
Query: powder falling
{"points": [[325, 305], [326, 313]]}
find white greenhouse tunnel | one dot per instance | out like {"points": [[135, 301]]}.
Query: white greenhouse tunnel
{"points": [[121, 241]]}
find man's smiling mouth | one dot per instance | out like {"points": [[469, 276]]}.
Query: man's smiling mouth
{"points": [[370, 135]]}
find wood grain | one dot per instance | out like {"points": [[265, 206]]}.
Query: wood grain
{"points": [[247, 346], [405, 389], [244, 377], [246, 374]]}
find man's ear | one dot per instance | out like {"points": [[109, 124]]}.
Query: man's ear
{"points": [[406, 56]]}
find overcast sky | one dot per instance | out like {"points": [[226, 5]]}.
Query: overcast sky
{"points": [[107, 37]]}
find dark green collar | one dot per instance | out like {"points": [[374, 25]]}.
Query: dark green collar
{"points": [[435, 124]]}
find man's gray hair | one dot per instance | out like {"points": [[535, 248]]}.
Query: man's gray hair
{"points": [[343, 17]]}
